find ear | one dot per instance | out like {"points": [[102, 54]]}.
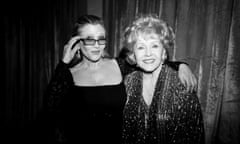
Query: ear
{"points": [[164, 55]]}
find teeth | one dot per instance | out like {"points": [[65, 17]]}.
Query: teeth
{"points": [[148, 61]]}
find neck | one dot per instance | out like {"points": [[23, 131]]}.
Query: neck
{"points": [[153, 76], [91, 64]]}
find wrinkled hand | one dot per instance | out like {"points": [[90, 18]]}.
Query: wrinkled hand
{"points": [[70, 49], [187, 78]]}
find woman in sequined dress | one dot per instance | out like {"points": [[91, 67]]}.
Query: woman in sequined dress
{"points": [[86, 95], [158, 110]]}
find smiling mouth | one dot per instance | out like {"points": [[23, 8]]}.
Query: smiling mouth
{"points": [[149, 61], [95, 52]]}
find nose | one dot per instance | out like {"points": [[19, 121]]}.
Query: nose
{"points": [[148, 51], [96, 44]]}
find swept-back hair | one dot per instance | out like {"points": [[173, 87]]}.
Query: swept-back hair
{"points": [[86, 19]]}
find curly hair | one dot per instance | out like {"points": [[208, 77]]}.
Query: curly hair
{"points": [[147, 24]]}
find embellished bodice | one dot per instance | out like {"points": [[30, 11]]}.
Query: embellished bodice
{"points": [[174, 115]]}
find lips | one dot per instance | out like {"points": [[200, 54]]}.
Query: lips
{"points": [[149, 61], [95, 52]]}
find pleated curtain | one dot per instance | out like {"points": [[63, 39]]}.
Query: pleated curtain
{"points": [[207, 38]]}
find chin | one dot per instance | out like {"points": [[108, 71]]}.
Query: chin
{"points": [[149, 68], [96, 58], [93, 60]]}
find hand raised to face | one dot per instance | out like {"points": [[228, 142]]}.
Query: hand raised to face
{"points": [[70, 49]]}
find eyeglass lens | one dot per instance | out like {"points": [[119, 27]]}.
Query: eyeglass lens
{"points": [[93, 41]]}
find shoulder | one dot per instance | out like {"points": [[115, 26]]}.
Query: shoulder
{"points": [[184, 98], [172, 74], [76, 67], [177, 88], [111, 63], [107, 62], [132, 78]]}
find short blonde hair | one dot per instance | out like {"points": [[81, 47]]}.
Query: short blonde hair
{"points": [[146, 24]]}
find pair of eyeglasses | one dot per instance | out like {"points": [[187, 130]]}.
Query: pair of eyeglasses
{"points": [[92, 42]]}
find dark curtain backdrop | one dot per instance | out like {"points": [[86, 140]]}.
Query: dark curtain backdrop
{"points": [[207, 38], [208, 33], [34, 33]]}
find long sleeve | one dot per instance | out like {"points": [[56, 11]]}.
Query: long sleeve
{"points": [[58, 86], [175, 64], [190, 121], [186, 126], [57, 89], [189, 126]]}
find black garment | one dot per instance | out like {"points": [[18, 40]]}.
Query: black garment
{"points": [[84, 113], [173, 117], [94, 114]]}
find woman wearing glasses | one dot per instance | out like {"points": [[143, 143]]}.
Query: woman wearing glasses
{"points": [[87, 95]]}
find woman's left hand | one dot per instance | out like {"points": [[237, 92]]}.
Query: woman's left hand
{"points": [[187, 77]]}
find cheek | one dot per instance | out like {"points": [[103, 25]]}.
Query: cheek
{"points": [[138, 55], [84, 50], [158, 53]]}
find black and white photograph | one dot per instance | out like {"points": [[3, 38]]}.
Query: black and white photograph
{"points": [[120, 72]]}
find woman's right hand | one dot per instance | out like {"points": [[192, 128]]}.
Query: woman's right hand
{"points": [[70, 49]]}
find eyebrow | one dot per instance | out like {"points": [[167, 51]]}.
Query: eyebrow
{"points": [[99, 37]]}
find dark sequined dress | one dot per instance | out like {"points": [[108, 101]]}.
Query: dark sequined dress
{"points": [[173, 117], [86, 114]]}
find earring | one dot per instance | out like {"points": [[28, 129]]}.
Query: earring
{"points": [[78, 54]]}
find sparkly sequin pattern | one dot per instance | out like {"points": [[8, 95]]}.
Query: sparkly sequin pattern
{"points": [[174, 116]]}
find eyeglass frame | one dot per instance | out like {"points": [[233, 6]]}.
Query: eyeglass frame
{"points": [[93, 41]]}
